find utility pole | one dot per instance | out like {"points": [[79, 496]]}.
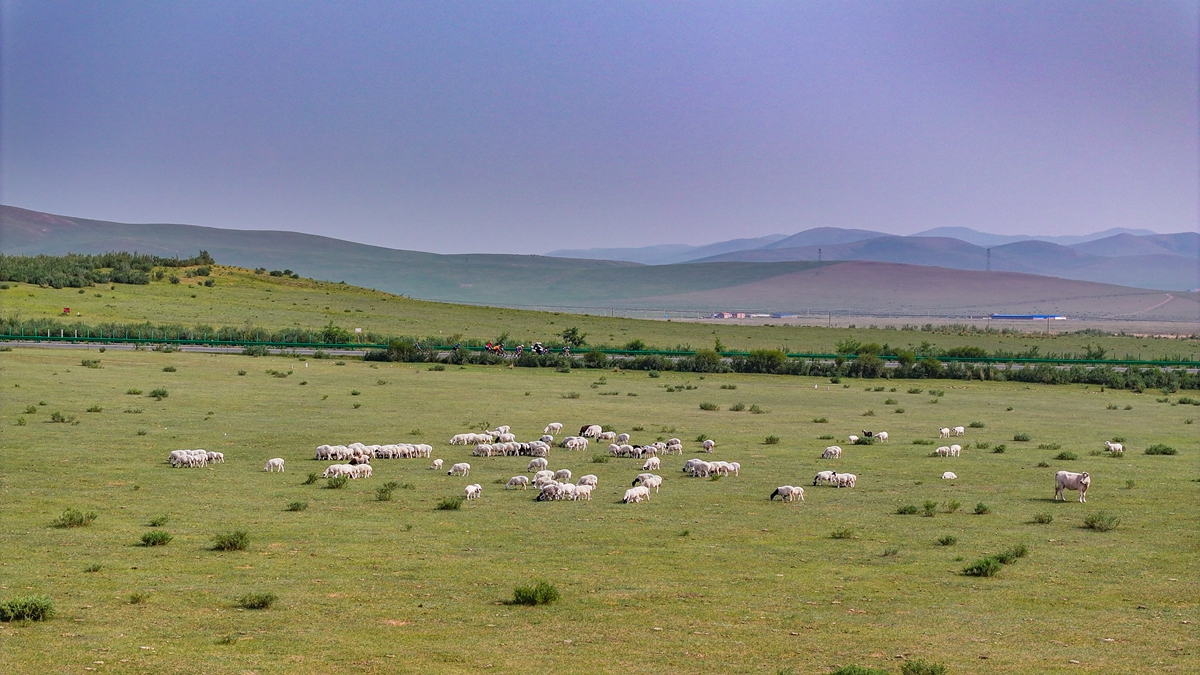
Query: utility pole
{"points": [[818, 255], [989, 260]]}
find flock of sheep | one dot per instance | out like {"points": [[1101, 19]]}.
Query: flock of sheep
{"points": [[192, 459]]}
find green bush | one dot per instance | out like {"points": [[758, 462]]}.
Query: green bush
{"points": [[257, 600], [919, 667], [27, 608], [984, 567], [384, 492], [450, 503], [1160, 449], [1043, 518], [599, 459], [858, 670], [737, 407], [158, 394], [982, 509], [729, 386], [842, 533], [1066, 456], [999, 449], [820, 420], [541, 593], [756, 410], [916, 390], [709, 406], [134, 392], [91, 363], [236, 540], [95, 409], [976, 425], [74, 518], [313, 477], [297, 506], [771, 440], [168, 369], [1049, 446], [1010, 555], [1101, 521], [571, 395], [907, 510], [930, 508], [156, 538], [1022, 437], [947, 540], [159, 521], [922, 441], [953, 506], [337, 482]]}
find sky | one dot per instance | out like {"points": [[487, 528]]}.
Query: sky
{"points": [[522, 127]]}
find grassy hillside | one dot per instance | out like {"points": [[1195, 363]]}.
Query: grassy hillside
{"points": [[707, 577], [243, 298]]}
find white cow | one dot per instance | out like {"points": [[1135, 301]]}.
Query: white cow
{"points": [[462, 469], [949, 475], [789, 493], [1066, 480], [274, 464]]}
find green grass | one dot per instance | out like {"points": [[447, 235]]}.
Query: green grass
{"points": [[257, 600], [27, 608], [541, 593], [349, 566], [156, 538]]}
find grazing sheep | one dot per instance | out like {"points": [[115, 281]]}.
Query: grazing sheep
{"points": [[943, 451], [562, 475], [462, 468], [949, 475], [960, 431], [607, 436], [274, 464], [522, 481], [503, 429], [852, 438], [882, 436], [338, 470], [709, 445], [214, 457], [437, 464], [944, 432], [623, 438], [832, 452], [825, 477], [1114, 448], [736, 468], [652, 482], [651, 464], [473, 491], [583, 492], [537, 463], [552, 428], [636, 495], [589, 479], [789, 493], [846, 480], [955, 450], [361, 471], [1067, 480], [591, 431], [547, 438]]}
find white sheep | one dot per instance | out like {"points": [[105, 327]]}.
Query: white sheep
{"points": [[592, 431], [944, 432], [589, 479], [709, 445], [955, 450], [462, 468], [583, 492], [503, 429], [522, 481], [607, 436], [846, 480], [636, 495], [562, 475], [537, 463], [437, 465], [949, 475], [552, 428], [652, 464], [361, 471], [832, 452], [652, 482], [960, 431], [622, 438], [546, 438], [852, 438], [473, 491], [274, 464], [1114, 448], [825, 477], [882, 436], [214, 457], [736, 468], [943, 451], [789, 493]]}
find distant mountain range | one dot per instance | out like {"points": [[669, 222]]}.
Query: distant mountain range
{"points": [[1128, 257], [774, 276]]}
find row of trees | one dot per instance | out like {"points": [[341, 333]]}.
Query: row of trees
{"points": [[78, 270]]}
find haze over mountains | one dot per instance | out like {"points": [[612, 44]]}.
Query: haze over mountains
{"points": [[773, 277], [1128, 257]]}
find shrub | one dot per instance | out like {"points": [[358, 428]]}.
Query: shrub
{"points": [[737, 407], [907, 510], [842, 533], [158, 394], [168, 369], [236, 540], [858, 670], [953, 506], [384, 492], [437, 368], [1022, 436], [257, 600], [159, 521], [930, 507], [450, 503], [865, 440], [1049, 446], [93, 568], [1101, 521], [915, 390], [771, 440], [755, 410], [890, 401], [297, 506], [95, 409], [899, 411], [571, 395], [947, 540], [599, 459], [1066, 456], [1160, 449], [91, 363], [976, 425], [1010, 555], [1117, 439], [826, 437], [27, 608], [541, 593], [32, 410], [820, 420], [134, 392], [922, 441], [709, 406], [919, 667], [982, 445], [1043, 518], [156, 538], [313, 477], [74, 518], [337, 482], [729, 386], [984, 567], [982, 509], [890, 551], [59, 418], [1043, 465]]}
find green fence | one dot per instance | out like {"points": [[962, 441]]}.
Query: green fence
{"points": [[203, 341]]}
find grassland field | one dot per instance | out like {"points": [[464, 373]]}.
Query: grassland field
{"points": [[242, 298], [707, 577]]}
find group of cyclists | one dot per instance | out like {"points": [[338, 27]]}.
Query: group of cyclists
{"points": [[537, 348]]}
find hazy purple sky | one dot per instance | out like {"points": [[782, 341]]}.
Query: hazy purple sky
{"points": [[525, 127]]}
